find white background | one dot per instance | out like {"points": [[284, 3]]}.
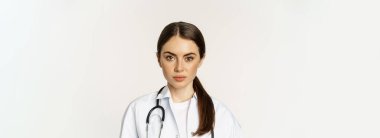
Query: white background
{"points": [[285, 68]]}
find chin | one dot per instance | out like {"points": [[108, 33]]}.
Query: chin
{"points": [[179, 85]]}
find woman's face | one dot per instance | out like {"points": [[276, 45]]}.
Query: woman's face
{"points": [[179, 60]]}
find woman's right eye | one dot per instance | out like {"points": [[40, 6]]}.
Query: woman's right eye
{"points": [[169, 58]]}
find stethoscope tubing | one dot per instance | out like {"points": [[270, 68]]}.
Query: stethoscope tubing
{"points": [[158, 106]]}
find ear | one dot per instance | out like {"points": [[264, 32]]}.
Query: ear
{"points": [[158, 59]]}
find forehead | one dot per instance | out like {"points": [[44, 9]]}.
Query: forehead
{"points": [[180, 46]]}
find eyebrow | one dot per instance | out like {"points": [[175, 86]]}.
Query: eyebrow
{"points": [[167, 52]]}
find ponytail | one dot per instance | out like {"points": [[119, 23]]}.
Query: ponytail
{"points": [[205, 109]]}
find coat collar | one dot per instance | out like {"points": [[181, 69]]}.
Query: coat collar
{"points": [[165, 93]]}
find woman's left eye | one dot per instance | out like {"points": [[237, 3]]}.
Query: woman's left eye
{"points": [[189, 58]]}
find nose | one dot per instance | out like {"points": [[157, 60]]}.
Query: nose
{"points": [[179, 66]]}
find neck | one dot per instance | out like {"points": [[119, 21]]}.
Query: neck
{"points": [[181, 94]]}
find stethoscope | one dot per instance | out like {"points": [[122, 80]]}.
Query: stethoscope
{"points": [[158, 106]]}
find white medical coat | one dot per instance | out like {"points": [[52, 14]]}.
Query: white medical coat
{"points": [[134, 122]]}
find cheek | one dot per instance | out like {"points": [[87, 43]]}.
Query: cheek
{"points": [[193, 68], [166, 67]]}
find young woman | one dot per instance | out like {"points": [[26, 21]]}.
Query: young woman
{"points": [[182, 108]]}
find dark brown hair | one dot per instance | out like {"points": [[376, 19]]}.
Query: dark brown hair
{"points": [[205, 105]]}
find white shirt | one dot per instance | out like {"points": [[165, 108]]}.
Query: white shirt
{"points": [[134, 122], [180, 111]]}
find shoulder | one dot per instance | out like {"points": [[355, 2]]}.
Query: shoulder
{"points": [[220, 108], [225, 121], [144, 99], [134, 115]]}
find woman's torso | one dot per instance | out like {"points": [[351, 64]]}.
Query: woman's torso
{"points": [[226, 125]]}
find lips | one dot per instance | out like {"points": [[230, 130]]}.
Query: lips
{"points": [[179, 78]]}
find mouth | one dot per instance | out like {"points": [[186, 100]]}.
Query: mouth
{"points": [[179, 78]]}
